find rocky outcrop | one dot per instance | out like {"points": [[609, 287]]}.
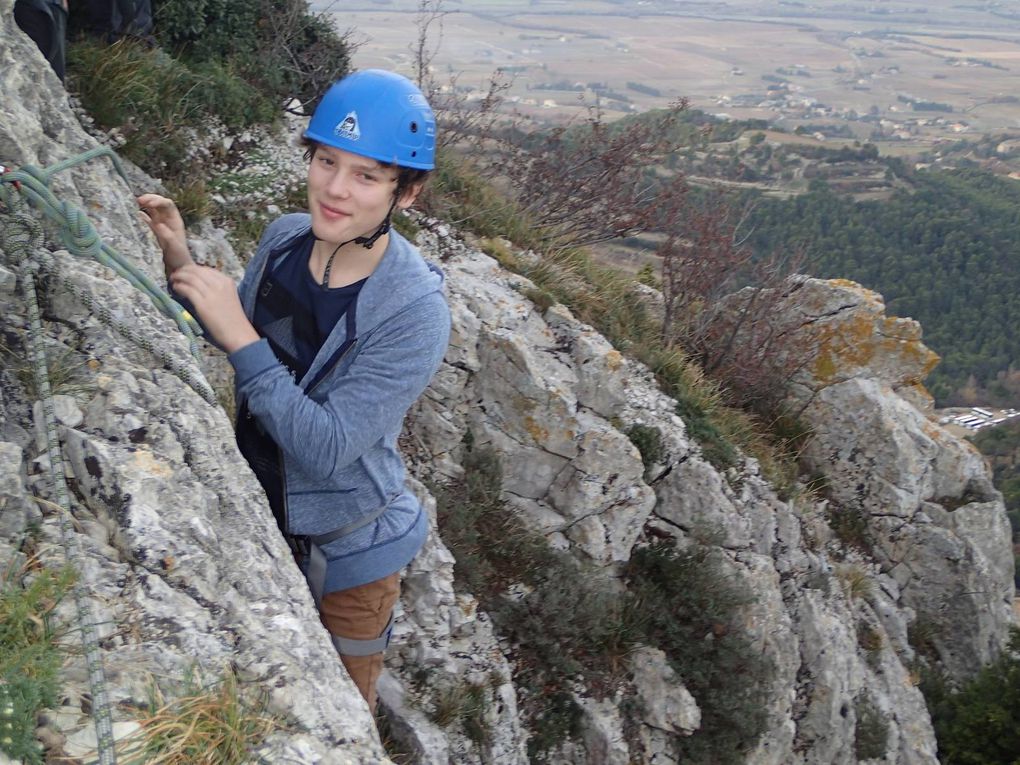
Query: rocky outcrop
{"points": [[934, 523], [186, 569], [832, 621]]}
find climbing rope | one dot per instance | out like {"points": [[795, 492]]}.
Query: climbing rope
{"points": [[22, 235], [80, 236], [72, 548]]}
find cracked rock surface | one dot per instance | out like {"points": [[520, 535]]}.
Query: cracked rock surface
{"points": [[185, 567]]}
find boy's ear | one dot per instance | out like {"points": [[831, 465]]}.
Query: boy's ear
{"points": [[410, 194]]}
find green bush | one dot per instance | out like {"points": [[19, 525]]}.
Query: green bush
{"points": [[703, 429], [979, 723], [850, 525], [29, 657], [220, 62], [159, 104], [277, 47], [691, 609], [570, 622], [574, 622], [542, 299], [648, 440], [462, 704], [871, 731]]}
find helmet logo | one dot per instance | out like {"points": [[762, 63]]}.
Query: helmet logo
{"points": [[348, 127]]}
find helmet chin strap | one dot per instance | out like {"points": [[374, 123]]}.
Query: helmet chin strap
{"points": [[366, 241]]}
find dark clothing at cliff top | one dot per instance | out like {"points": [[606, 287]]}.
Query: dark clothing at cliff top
{"points": [[45, 21], [114, 19]]}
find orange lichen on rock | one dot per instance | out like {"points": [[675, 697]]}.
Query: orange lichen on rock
{"points": [[840, 347], [864, 339], [538, 433]]}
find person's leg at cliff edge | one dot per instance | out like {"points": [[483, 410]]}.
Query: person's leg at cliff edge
{"points": [[358, 616]]}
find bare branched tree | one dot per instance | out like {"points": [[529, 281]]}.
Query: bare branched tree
{"points": [[314, 52], [429, 22], [721, 301], [588, 183], [469, 118]]}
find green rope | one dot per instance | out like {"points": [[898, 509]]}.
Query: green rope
{"points": [[81, 238], [72, 548], [22, 235]]}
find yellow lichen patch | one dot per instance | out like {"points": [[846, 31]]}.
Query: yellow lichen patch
{"points": [[144, 460], [914, 355], [523, 403], [825, 367], [845, 283], [843, 346], [904, 329], [536, 431]]}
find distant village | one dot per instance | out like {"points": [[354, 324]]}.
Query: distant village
{"points": [[976, 418]]}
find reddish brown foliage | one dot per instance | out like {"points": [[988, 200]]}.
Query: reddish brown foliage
{"points": [[721, 302]]}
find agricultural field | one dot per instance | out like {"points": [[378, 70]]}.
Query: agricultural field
{"points": [[903, 71]]}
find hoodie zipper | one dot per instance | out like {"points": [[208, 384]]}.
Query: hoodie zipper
{"points": [[279, 451], [322, 376]]}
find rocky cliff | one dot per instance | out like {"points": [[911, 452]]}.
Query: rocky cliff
{"points": [[185, 569]]}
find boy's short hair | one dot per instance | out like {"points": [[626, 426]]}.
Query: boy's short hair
{"points": [[406, 176]]}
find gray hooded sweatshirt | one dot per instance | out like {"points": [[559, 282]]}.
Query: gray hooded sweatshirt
{"points": [[336, 428]]}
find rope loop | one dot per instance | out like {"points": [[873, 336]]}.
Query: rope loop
{"points": [[29, 187], [79, 234]]}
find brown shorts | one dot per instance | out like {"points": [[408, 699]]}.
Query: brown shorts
{"points": [[362, 613]]}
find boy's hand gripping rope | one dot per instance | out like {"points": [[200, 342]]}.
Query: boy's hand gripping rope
{"points": [[78, 234]]}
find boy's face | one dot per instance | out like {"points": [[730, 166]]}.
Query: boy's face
{"points": [[349, 195]]}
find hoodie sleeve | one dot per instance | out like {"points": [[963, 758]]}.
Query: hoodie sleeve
{"points": [[273, 234], [366, 403]]}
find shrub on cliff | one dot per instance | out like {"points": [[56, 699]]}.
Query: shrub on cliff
{"points": [[277, 46], [233, 65], [569, 623], [979, 723]]}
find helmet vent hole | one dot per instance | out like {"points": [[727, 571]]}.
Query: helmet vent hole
{"points": [[414, 127], [414, 154]]}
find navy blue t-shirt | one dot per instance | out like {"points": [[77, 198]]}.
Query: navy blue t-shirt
{"points": [[295, 313]]}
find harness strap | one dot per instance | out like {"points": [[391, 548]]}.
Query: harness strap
{"points": [[351, 647], [311, 547]]}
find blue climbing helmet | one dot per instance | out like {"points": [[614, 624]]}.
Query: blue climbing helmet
{"points": [[377, 114]]}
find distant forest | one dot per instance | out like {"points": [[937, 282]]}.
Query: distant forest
{"points": [[1001, 446], [946, 253]]}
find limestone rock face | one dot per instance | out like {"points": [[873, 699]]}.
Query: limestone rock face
{"points": [[540, 393], [186, 569], [935, 523]]}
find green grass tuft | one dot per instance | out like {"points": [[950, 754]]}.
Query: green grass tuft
{"points": [[215, 723], [30, 654]]}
